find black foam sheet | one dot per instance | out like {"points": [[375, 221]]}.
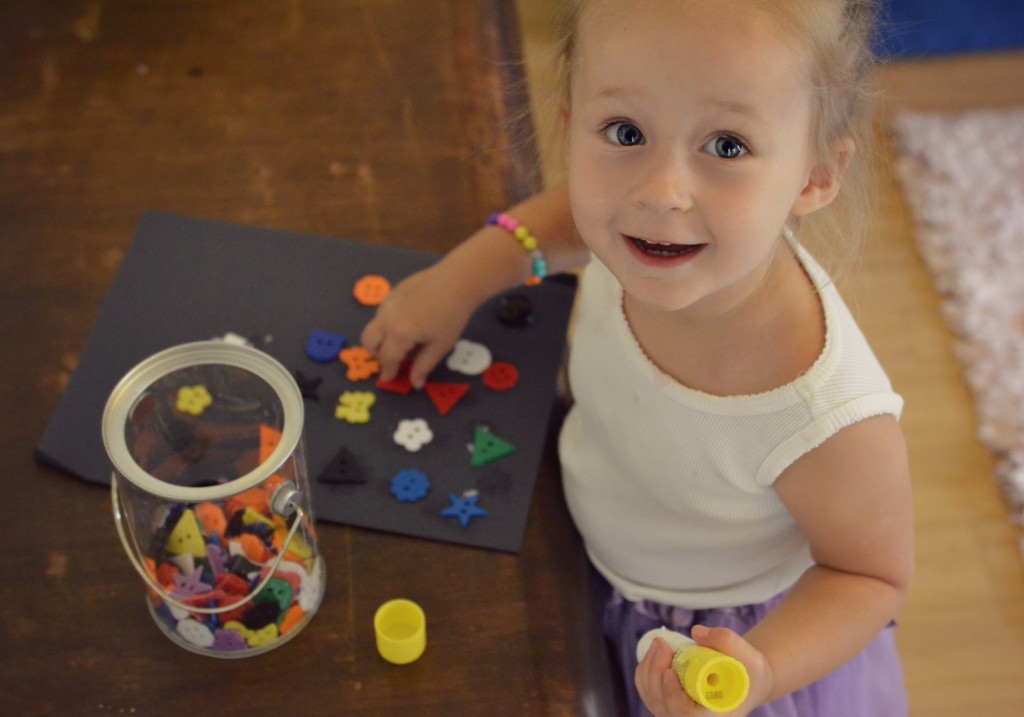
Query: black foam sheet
{"points": [[186, 279]]}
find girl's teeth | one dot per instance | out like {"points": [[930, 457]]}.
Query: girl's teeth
{"points": [[664, 249]]}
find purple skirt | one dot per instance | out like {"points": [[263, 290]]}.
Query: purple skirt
{"points": [[869, 685]]}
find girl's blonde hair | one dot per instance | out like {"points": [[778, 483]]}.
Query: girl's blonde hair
{"points": [[838, 37]]}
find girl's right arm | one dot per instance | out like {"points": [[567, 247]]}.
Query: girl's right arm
{"points": [[425, 314]]}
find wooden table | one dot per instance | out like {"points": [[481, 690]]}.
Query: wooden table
{"points": [[386, 120]]}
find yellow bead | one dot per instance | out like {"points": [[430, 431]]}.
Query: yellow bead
{"points": [[521, 232], [529, 243]]}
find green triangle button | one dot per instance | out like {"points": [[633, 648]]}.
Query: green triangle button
{"points": [[488, 447]]}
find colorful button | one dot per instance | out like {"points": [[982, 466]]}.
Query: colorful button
{"points": [[165, 574], [216, 556], [412, 434], [250, 547], [446, 395], [488, 447], [193, 400], [354, 406], [516, 310], [232, 584], [312, 587], [309, 386], [234, 339], [252, 517], [255, 498], [269, 438], [237, 557], [400, 383], [291, 619], [228, 641], [298, 548], [344, 468], [323, 346], [260, 615], [186, 586], [211, 518], [469, 357], [464, 508], [186, 563], [277, 591], [361, 363], [195, 633], [187, 536], [254, 638], [501, 376], [371, 289], [409, 486]]}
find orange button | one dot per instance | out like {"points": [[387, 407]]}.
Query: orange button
{"points": [[371, 289], [360, 362]]}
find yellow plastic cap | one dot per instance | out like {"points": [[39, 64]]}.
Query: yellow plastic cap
{"points": [[711, 679], [401, 629]]}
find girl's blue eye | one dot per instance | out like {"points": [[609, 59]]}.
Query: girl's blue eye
{"points": [[726, 147], [624, 134]]}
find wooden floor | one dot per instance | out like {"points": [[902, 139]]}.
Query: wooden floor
{"points": [[967, 604], [962, 628]]}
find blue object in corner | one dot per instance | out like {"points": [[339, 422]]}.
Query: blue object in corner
{"points": [[916, 28]]}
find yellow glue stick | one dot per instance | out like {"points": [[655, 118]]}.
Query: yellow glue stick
{"points": [[711, 679]]}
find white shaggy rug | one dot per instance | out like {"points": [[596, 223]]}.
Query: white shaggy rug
{"points": [[963, 176]]}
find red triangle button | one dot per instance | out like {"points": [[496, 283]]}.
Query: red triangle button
{"points": [[446, 395]]}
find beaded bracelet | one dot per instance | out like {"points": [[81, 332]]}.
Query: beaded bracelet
{"points": [[526, 239]]}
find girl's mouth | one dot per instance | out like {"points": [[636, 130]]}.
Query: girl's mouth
{"points": [[659, 250]]}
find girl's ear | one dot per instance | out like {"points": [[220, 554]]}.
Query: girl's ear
{"points": [[825, 178]]}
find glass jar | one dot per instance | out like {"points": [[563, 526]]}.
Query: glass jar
{"points": [[211, 496]]}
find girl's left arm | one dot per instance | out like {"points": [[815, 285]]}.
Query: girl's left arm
{"points": [[851, 497]]}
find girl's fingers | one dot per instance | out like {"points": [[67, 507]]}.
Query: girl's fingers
{"points": [[428, 356]]}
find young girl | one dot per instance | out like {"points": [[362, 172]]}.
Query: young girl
{"points": [[733, 459]]}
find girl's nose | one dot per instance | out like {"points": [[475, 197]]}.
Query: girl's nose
{"points": [[664, 184]]}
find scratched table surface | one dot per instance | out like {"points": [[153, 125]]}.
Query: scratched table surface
{"points": [[391, 121]]}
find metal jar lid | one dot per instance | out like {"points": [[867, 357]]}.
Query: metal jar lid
{"points": [[139, 383]]}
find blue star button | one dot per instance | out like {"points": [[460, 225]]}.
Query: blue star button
{"points": [[464, 508]]}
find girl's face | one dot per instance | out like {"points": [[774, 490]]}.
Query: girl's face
{"points": [[688, 142]]}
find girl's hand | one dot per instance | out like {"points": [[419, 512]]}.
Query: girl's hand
{"points": [[421, 318], [659, 686]]}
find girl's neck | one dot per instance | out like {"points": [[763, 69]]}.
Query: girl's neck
{"points": [[764, 340]]}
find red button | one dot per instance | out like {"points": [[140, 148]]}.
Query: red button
{"points": [[501, 376]]}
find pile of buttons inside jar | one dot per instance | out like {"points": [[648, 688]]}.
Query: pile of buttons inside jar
{"points": [[214, 554]]}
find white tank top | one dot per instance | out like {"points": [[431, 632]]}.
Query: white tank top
{"points": [[671, 488]]}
